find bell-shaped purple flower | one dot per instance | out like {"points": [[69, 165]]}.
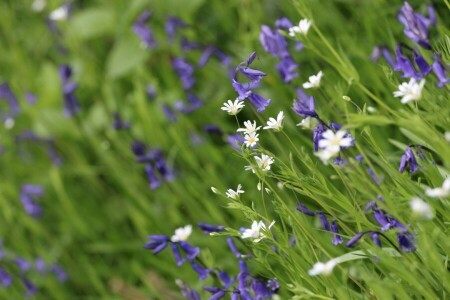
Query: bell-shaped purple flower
{"points": [[157, 243], [119, 124], [31, 289], [202, 272], [416, 25], [408, 158], [28, 194], [273, 285], [355, 239], [304, 105], [323, 221], [7, 94], [5, 278], [302, 208], [190, 251], [141, 29], [59, 273], [172, 25], [71, 106], [337, 239], [23, 264], [177, 254], [260, 290], [152, 178], [226, 280], [406, 241], [233, 247], [185, 71], [259, 102], [235, 140], [208, 228], [218, 293], [440, 71], [381, 218], [376, 238]]}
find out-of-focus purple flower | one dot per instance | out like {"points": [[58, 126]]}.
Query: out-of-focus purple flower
{"points": [[404, 65], [260, 290], [218, 293], [317, 135], [382, 219], [202, 272], [152, 178], [172, 25], [211, 128], [233, 247], [138, 148], [40, 266], [440, 71], [151, 92], [23, 264], [119, 124], [337, 239], [376, 238], [144, 32], [164, 169], [304, 105], [28, 194], [208, 228], [177, 254], [302, 208], [194, 104], [51, 151], [408, 158], [5, 278], [355, 239], [190, 251], [59, 273], [169, 113], [273, 285], [235, 140], [185, 71], [370, 205], [71, 106], [224, 59], [157, 243], [421, 63], [30, 98], [7, 94], [187, 45], [287, 69], [187, 291], [416, 25], [323, 221], [31, 289], [226, 280], [258, 101], [379, 51], [406, 241]]}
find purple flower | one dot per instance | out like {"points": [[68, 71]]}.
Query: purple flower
{"points": [[40, 266], [152, 178], [233, 247], [235, 140], [119, 124], [169, 113], [177, 254], [439, 70], [172, 25], [5, 278], [7, 93], [404, 65], [71, 106], [406, 241], [202, 272], [59, 272], [408, 158], [190, 251], [218, 293], [421, 63], [286, 67], [187, 291], [31, 289], [185, 71], [416, 25], [260, 290], [304, 105], [323, 221], [317, 135], [151, 92], [164, 169], [157, 243], [380, 217], [355, 239], [51, 151], [208, 228], [337, 239], [23, 264], [376, 238], [379, 51], [30, 98], [28, 194], [144, 32], [226, 280], [302, 208], [138, 148], [259, 102], [194, 104], [273, 285], [224, 59]]}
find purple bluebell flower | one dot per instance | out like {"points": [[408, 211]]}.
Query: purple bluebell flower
{"points": [[31, 289], [421, 63], [302, 208], [287, 67], [233, 247], [404, 65], [150, 90], [138, 148], [408, 158], [59, 273], [235, 140], [164, 169], [23, 264], [51, 151], [258, 101], [169, 113], [355, 239], [323, 221], [119, 124], [185, 71], [177, 254], [416, 25], [304, 105], [28, 194], [40, 266], [187, 45], [224, 59], [187, 291], [260, 290], [194, 104], [152, 178], [208, 228], [406, 241], [381, 219], [5, 278], [218, 293], [376, 238], [30, 98], [143, 31], [440, 71], [157, 243], [190, 251], [7, 94], [226, 280], [337, 239], [379, 51], [202, 272], [172, 25], [370, 205], [273, 285], [317, 135], [71, 106]]}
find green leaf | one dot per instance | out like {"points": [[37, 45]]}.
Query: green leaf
{"points": [[92, 23]]}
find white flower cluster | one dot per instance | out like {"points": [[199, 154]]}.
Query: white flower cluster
{"points": [[331, 144], [234, 194], [410, 91], [250, 133], [256, 232], [181, 234], [302, 28]]}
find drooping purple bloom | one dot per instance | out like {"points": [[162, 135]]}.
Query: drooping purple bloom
{"points": [[235, 140], [208, 228], [218, 293], [259, 102], [30, 98], [287, 67], [440, 71], [379, 51], [187, 45], [376, 238], [233, 247], [28, 194], [143, 31], [71, 106], [190, 251], [408, 158], [302, 208], [226, 280], [185, 71], [31, 289], [323, 221], [40, 266], [194, 104], [224, 59], [406, 241], [152, 178], [381, 219], [23, 264], [187, 291], [119, 124], [13, 105], [172, 25], [169, 113], [177, 254], [164, 169], [150, 90], [138, 148], [202, 272], [304, 105], [5, 278], [157, 243], [421, 63], [260, 290], [51, 151], [355, 239], [416, 25], [337, 239], [59, 273], [317, 135], [404, 64]]}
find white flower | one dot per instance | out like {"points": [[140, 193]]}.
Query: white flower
{"points": [[308, 123], [302, 28], [421, 208], [313, 81], [9, 123], [249, 127], [277, 124], [256, 232], [321, 268], [439, 192], [38, 5], [332, 142], [214, 190], [233, 108], [264, 162], [181, 234], [60, 14], [325, 155], [251, 139], [410, 91], [234, 194]]}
